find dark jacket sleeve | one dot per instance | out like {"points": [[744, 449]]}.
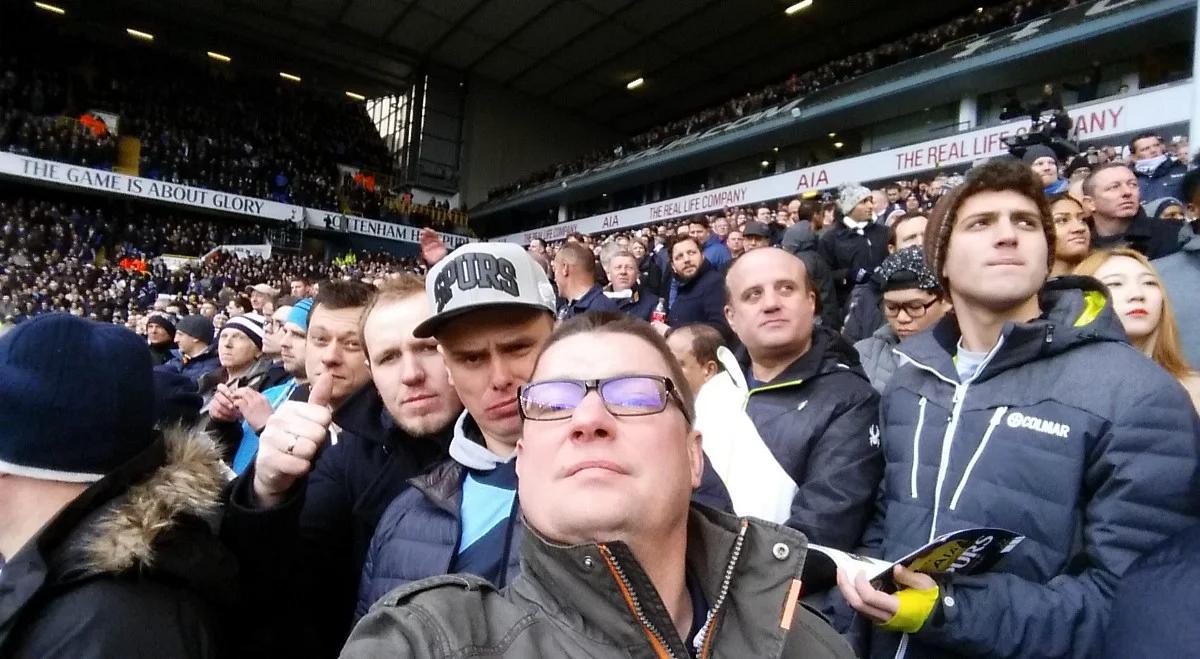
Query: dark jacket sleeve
{"points": [[1143, 480], [837, 492], [296, 557], [825, 247], [107, 618]]}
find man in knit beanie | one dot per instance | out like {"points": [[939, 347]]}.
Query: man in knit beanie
{"points": [[1043, 162], [1018, 410], [160, 336], [854, 247], [103, 519], [195, 356]]}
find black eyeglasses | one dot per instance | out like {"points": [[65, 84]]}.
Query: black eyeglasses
{"points": [[625, 395], [913, 309]]}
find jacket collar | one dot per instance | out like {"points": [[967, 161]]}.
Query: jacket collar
{"points": [[748, 570], [468, 447], [123, 522], [1075, 311], [829, 352], [586, 300]]}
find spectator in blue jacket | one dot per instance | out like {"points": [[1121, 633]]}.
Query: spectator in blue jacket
{"points": [[1025, 409], [715, 251], [1044, 163], [1158, 174], [195, 355], [1154, 607], [574, 268], [698, 288]]}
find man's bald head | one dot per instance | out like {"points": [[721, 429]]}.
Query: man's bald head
{"points": [[771, 304], [765, 259]]}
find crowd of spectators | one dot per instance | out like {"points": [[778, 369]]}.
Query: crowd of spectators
{"points": [[200, 126], [99, 260], [801, 84]]}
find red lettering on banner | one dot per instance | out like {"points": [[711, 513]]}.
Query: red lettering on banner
{"points": [[810, 179]]}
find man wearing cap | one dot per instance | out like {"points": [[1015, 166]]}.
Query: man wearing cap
{"points": [[854, 247], [160, 336], [1043, 162], [912, 302], [195, 357], [493, 308], [260, 294], [1024, 410], [104, 519], [755, 235]]}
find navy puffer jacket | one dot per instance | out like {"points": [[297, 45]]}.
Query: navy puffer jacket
{"points": [[1066, 435]]}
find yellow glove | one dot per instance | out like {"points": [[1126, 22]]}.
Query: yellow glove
{"points": [[915, 608]]}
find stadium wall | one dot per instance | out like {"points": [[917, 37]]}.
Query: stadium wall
{"points": [[508, 135]]}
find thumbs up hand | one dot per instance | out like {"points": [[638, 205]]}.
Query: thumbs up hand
{"points": [[289, 444]]}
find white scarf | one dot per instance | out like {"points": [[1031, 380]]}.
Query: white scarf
{"points": [[1148, 165], [857, 227]]}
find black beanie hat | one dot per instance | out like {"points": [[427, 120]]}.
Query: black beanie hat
{"points": [[76, 399], [163, 322]]}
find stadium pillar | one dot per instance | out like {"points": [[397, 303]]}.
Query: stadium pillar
{"points": [[968, 111], [562, 209], [1194, 124]]}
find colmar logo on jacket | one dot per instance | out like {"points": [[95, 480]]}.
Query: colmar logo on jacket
{"points": [[1018, 420]]}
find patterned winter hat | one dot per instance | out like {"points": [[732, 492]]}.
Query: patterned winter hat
{"points": [[907, 269]]}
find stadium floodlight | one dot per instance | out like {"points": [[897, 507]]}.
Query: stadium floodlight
{"points": [[50, 8], [765, 164], [217, 56], [138, 34], [635, 83], [838, 145], [289, 76], [832, 135], [357, 97], [803, 4]]}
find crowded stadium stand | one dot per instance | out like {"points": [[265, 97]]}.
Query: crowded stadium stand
{"points": [[599, 328]]}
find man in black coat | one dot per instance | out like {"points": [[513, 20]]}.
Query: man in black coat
{"points": [[1112, 197], [301, 518], [854, 247], [809, 455], [105, 532]]}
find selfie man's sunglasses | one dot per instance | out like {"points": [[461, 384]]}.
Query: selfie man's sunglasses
{"points": [[624, 395]]}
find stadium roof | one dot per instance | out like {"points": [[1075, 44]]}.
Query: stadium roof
{"points": [[575, 54]]}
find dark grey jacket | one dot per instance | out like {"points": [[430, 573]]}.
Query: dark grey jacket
{"points": [[878, 360], [595, 600], [1066, 435]]}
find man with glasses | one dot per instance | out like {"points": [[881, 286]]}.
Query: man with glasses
{"points": [[912, 302], [791, 431], [617, 562]]}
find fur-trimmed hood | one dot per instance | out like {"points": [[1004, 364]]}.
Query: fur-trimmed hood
{"points": [[135, 548], [187, 485]]}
